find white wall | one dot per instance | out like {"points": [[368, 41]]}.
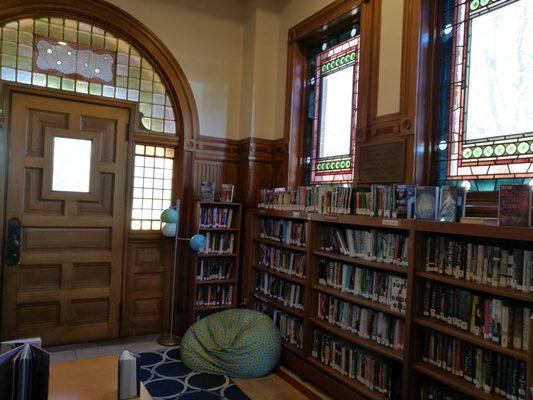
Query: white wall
{"points": [[206, 37], [390, 56], [293, 13], [234, 54]]}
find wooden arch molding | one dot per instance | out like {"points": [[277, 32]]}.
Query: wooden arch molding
{"points": [[117, 21]]}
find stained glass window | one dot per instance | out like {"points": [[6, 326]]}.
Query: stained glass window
{"points": [[332, 110], [70, 55], [486, 102], [152, 185]]}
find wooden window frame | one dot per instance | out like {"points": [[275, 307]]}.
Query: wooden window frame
{"points": [[334, 18], [480, 204], [48, 172], [456, 137]]}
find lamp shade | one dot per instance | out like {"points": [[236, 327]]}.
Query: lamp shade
{"points": [[169, 229], [169, 216], [197, 242]]}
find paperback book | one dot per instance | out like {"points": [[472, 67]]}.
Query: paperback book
{"points": [[427, 203], [515, 205], [227, 192], [129, 375], [24, 373], [452, 203], [207, 191], [404, 201]]}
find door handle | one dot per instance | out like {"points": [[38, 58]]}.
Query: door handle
{"points": [[13, 242]]}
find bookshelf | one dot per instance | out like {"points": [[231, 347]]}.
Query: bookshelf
{"points": [[214, 274], [409, 363]]}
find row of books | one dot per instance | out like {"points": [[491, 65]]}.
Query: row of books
{"points": [[214, 295], [502, 322], [216, 217], [288, 293], [487, 370], [445, 203], [382, 287], [436, 391], [364, 322], [283, 231], [291, 328], [497, 266], [367, 244], [208, 189], [211, 269], [218, 243], [357, 363], [282, 260], [323, 199]]}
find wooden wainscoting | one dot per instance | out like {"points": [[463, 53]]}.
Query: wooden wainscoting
{"points": [[250, 164], [147, 284]]}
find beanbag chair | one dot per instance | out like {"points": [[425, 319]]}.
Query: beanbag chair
{"points": [[238, 343]]}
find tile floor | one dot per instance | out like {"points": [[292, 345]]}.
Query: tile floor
{"points": [[83, 351]]}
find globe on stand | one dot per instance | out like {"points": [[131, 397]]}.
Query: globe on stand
{"points": [[197, 243], [169, 229], [169, 216]]}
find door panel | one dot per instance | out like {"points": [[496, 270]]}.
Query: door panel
{"points": [[67, 287]]}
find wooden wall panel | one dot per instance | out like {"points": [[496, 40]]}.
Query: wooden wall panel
{"points": [[62, 238], [249, 164], [214, 160], [147, 286]]}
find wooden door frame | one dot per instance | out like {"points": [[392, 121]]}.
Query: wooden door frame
{"points": [[123, 25], [5, 131]]}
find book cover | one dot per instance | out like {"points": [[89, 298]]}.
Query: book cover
{"points": [[207, 191], [398, 294], [426, 203], [452, 203], [515, 205], [24, 373], [129, 375], [404, 201], [227, 192]]}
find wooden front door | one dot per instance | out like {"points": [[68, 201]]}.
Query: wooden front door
{"points": [[67, 185]]}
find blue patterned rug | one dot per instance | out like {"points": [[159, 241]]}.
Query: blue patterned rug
{"points": [[166, 377]]}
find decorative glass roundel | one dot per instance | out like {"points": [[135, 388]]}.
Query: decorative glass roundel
{"points": [[74, 56]]}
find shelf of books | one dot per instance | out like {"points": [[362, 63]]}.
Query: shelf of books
{"points": [[475, 297], [215, 269], [393, 299], [278, 272], [337, 292]]}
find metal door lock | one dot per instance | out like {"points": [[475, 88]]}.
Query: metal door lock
{"points": [[13, 242]]}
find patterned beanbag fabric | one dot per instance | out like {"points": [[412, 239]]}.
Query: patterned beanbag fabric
{"points": [[237, 343]]}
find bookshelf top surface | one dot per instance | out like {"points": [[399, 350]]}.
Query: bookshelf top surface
{"points": [[218, 203], [516, 233]]}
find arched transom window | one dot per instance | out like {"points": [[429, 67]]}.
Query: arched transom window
{"points": [[74, 56]]}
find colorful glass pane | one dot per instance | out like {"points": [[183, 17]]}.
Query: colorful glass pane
{"points": [[70, 55], [486, 116], [333, 111]]}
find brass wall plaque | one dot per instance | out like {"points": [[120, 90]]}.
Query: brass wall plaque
{"points": [[382, 163]]}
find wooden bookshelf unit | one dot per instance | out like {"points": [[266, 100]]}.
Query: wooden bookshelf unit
{"points": [[408, 360], [215, 271]]}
